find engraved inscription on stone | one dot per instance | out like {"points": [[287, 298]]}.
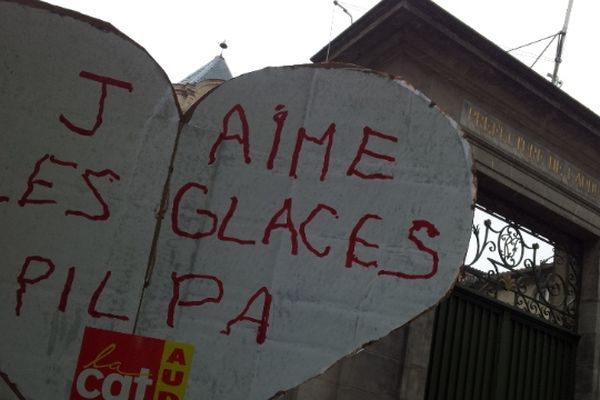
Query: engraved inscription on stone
{"points": [[497, 132]]}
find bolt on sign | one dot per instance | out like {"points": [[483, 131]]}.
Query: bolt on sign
{"points": [[292, 215]]}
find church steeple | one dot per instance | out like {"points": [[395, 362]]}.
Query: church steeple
{"points": [[216, 69], [200, 82]]}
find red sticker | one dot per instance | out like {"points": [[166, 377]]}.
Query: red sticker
{"points": [[121, 366]]}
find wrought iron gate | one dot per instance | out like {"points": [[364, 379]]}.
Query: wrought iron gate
{"points": [[508, 330], [485, 350]]}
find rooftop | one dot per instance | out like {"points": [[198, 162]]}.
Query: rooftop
{"points": [[216, 69]]}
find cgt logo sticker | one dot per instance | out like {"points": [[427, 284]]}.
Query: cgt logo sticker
{"points": [[119, 366]]}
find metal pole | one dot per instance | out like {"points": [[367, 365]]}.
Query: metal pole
{"points": [[561, 43], [335, 2]]}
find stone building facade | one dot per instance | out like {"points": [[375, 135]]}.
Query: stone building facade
{"points": [[524, 319], [537, 154]]}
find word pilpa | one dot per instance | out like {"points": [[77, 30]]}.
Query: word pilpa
{"points": [[26, 280]]}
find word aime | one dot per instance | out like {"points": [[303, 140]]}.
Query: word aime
{"points": [[238, 113]]}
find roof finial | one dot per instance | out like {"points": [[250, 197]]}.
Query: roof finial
{"points": [[223, 46]]}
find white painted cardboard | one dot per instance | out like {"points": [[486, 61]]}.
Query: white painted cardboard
{"points": [[396, 182], [43, 52], [321, 308]]}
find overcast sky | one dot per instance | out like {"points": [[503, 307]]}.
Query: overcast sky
{"points": [[182, 35]]}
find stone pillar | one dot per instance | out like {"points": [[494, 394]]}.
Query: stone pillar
{"points": [[587, 381], [413, 381]]}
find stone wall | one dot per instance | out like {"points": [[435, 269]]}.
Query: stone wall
{"points": [[392, 368]]}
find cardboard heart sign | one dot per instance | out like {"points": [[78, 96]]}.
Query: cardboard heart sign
{"points": [[309, 210], [87, 127], [322, 207]]}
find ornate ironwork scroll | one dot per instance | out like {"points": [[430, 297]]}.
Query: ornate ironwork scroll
{"points": [[517, 266]]}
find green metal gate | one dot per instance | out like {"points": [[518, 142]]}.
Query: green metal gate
{"points": [[485, 350]]}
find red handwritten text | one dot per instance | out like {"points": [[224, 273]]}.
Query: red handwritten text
{"points": [[29, 195], [105, 81]]}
